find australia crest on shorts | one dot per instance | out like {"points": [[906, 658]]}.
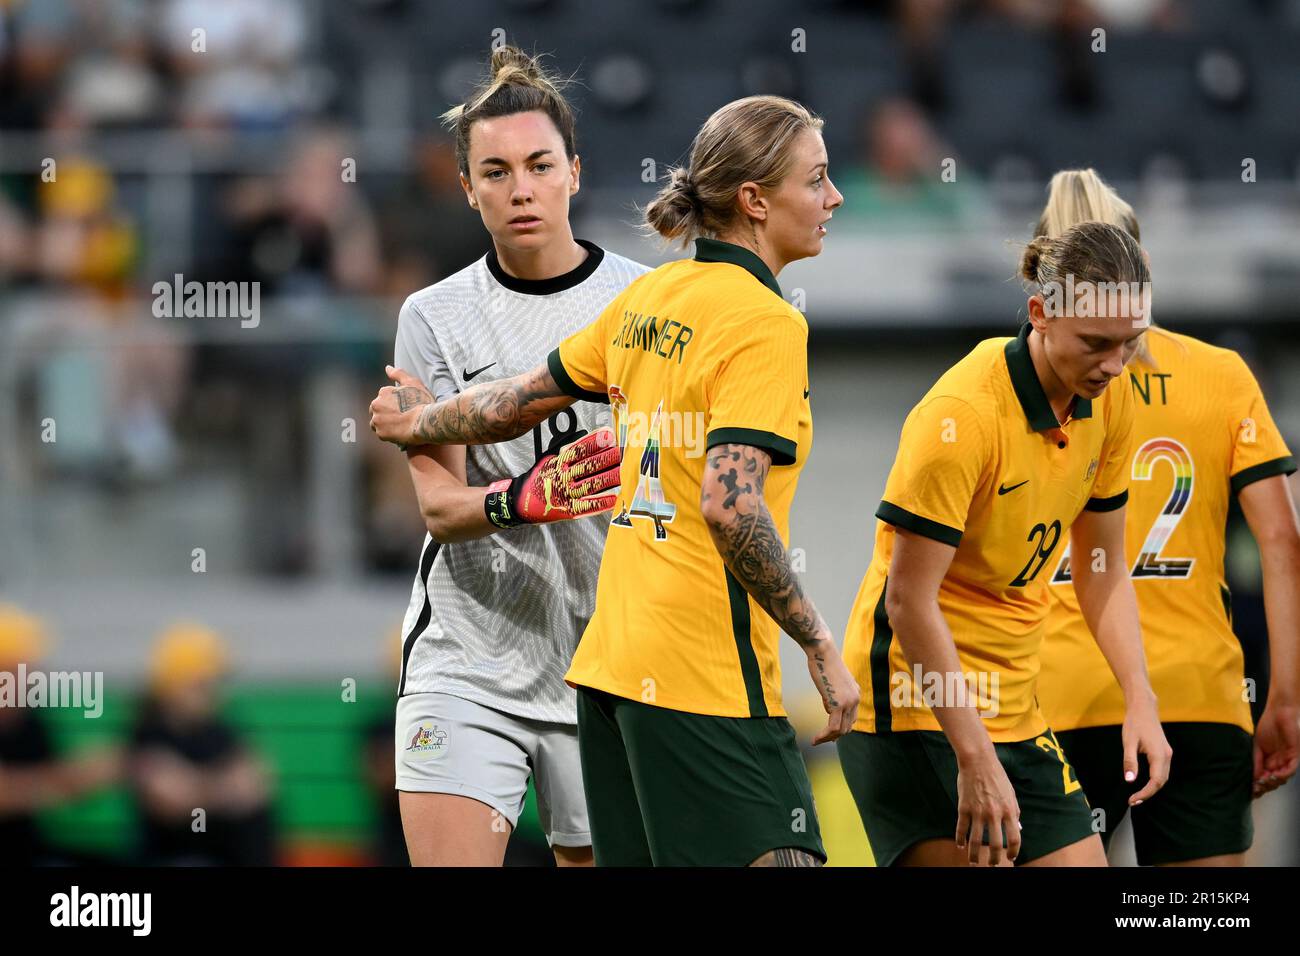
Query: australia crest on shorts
{"points": [[428, 739]]}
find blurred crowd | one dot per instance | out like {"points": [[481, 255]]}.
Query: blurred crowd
{"points": [[223, 72], [130, 63], [925, 24], [240, 157], [81, 220], [199, 791], [303, 215], [84, 224]]}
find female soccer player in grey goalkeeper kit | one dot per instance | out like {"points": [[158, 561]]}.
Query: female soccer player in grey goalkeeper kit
{"points": [[503, 590]]}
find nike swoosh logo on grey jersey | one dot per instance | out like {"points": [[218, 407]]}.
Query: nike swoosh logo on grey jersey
{"points": [[469, 375]]}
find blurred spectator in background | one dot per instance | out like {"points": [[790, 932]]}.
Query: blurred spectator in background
{"points": [[116, 403], [308, 236], [307, 231], [430, 231], [84, 239], [924, 25], [36, 46], [32, 776], [242, 71], [91, 58], [111, 83], [899, 181], [185, 757]]}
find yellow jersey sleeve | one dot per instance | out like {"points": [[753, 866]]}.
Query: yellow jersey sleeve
{"points": [[1258, 449], [942, 456], [1114, 470], [757, 391], [578, 363]]}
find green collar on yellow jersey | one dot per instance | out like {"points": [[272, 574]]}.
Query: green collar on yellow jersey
{"points": [[1024, 379], [715, 250]]}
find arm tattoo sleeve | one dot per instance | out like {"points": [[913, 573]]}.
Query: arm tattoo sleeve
{"points": [[746, 537], [493, 411]]}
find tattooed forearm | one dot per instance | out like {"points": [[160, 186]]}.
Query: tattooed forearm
{"points": [[747, 538], [493, 411]]}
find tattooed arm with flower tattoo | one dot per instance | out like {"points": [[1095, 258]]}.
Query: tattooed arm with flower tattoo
{"points": [[731, 499]]}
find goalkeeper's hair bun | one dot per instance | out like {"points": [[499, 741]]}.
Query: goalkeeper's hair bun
{"points": [[515, 83]]}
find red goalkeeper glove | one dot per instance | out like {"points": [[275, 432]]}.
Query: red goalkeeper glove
{"points": [[582, 479]]}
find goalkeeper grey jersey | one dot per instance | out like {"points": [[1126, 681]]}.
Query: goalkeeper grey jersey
{"points": [[496, 620]]}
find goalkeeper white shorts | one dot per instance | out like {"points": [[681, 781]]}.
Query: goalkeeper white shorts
{"points": [[447, 744]]}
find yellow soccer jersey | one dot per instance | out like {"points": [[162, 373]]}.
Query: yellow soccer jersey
{"points": [[984, 465], [1202, 432], [697, 353]]}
